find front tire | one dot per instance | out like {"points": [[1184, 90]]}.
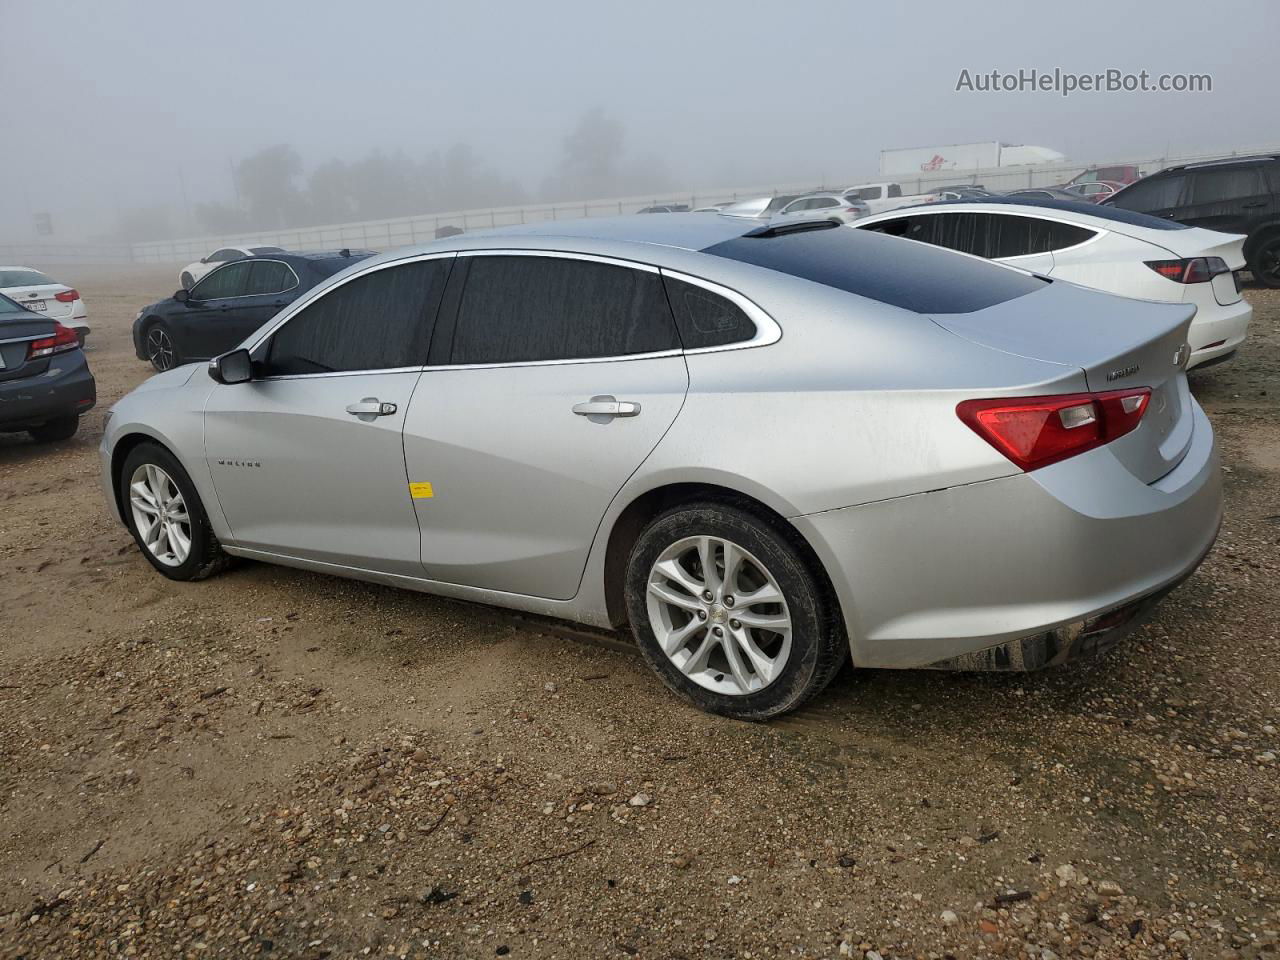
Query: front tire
{"points": [[164, 513], [728, 613], [1265, 262], [159, 347], [64, 428]]}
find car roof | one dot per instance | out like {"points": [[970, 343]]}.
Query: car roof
{"points": [[14, 266], [1223, 162], [687, 231], [1078, 209]]}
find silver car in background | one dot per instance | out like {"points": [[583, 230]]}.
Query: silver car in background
{"points": [[769, 448]]}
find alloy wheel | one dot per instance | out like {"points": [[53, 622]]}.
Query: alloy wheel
{"points": [[160, 515], [1269, 261], [719, 615], [159, 348]]}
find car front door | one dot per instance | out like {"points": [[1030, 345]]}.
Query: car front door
{"points": [[1227, 199], [560, 376], [198, 322], [307, 458]]}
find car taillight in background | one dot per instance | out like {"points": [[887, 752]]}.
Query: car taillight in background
{"points": [[67, 296], [1034, 432], [1195, 270], [63, 339]]}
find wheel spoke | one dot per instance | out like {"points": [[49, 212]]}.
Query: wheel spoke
{"points": [[766, 594], [763, 664], [733, 654], [672, 570], [674, 597], [777, 622], [733, 557], [179, 542], [698, 661], [679, 637], [707, 554]]}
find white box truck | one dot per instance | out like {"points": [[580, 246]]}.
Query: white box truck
{"points": [[912, 161]]}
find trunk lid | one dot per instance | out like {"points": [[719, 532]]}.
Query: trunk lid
{"points": [[16, 334], [1118, 343], [42, 299], [1198, 242]]}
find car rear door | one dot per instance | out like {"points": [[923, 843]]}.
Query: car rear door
{"points": [[1227, 198], [557, 377], [307, 458]]}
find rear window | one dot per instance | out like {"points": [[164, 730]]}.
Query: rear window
{"points": [[261, 250], [22, 278], [912, 276]]}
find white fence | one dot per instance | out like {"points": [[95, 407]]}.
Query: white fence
{"points": [[402, 231]]}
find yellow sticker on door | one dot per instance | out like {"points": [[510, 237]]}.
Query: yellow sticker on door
{"points": [[421, 491]]}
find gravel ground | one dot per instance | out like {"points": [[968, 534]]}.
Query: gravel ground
{"points": [[278, 764]]}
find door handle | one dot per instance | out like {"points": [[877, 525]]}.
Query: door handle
{"points": [[606, 406], [1256, 203], [371, 407]]}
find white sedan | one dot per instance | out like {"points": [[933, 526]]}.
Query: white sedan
{"points": [[1118, 251], [35, 291], [194, 271]]}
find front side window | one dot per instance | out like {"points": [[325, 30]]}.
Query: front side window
{"points": [[379, 321], [229, 281], [1217, 186], [268, 277], [522, 309]]}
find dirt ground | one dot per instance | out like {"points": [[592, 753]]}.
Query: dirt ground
{"points": [[279, 764]]}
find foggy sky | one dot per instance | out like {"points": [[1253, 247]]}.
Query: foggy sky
{"points": [[112, 106]]}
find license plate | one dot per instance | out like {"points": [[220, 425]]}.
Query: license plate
{"points": [[39, 306]]}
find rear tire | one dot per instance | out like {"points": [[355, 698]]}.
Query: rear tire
{"points": [[64, 428], [166, 517], [1265, 262], [161, 351], [724, 654]]}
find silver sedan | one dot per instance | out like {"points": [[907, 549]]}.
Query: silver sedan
{"points": [[771, 449]]}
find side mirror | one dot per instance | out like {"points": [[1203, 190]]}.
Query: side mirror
{"points": [[233, 367], [182, 296], [204, 259]]}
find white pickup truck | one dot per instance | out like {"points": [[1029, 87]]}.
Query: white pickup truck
{"points": [[886, 196]]}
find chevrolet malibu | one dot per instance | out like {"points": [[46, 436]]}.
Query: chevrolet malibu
{"points": [[769, 449]]}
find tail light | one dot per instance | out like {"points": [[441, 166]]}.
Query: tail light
{"points": [[67, 296], [1195, 270], [63, 339], [1034, 432]]}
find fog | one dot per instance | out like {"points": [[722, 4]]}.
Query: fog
{"points": [[147, 120]]}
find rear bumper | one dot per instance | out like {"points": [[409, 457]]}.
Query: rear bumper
{"points": [[1218, 331], [65, 388], [1036, 563]]}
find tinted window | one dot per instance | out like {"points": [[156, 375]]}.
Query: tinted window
{"points": [[706, 319], [989, 235], [229, 281], [1063, 235], [1150, 194], [8, 306], [521, 309], [895, 190], [269, 276], [379, 321], [864, 193], [1273, 175], [912, 276], [821, 203], [1215, 186], [222, 256], [262, 250]]}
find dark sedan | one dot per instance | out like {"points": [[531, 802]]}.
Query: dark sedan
{"points": [[45, 383], [229, 303]]}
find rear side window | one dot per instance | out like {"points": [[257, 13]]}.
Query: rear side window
{"points": [[269, 276], [914, 277], [229, 281], [895, 190], [1151, 194], [990, 235], [522, 309], [379, 321], [1216, 186], [706, 319]]}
